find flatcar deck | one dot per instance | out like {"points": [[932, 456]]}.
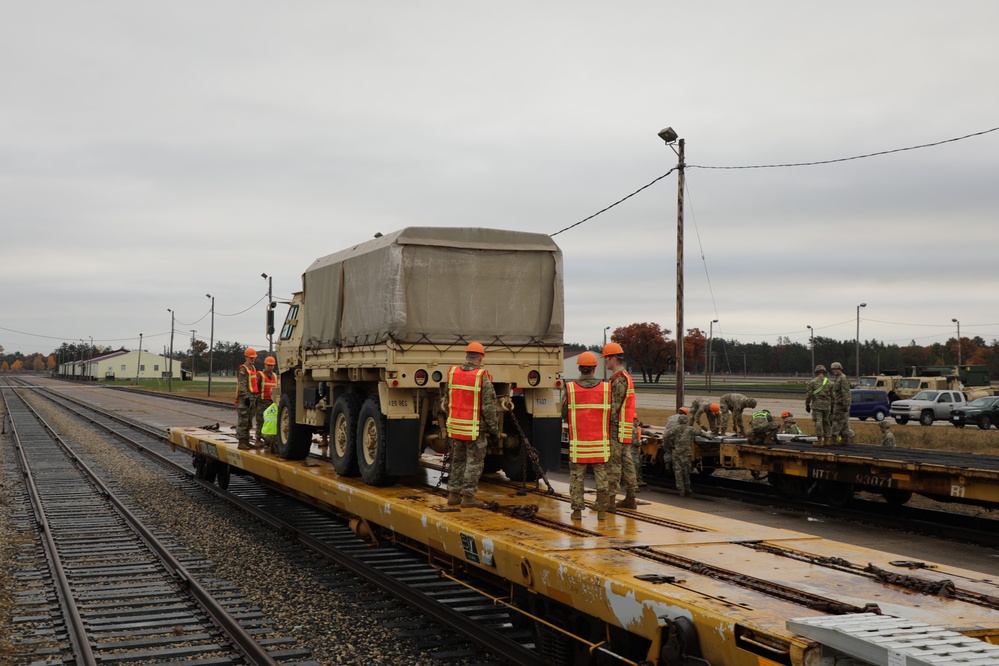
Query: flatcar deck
{"points": [[642, 571], [947, 475]]}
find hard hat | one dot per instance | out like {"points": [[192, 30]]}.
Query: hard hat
{"points": [[820, 368], [270, 360], [836, 365], [250, 352], [475, 348], [683, 410], [587, 360], [785, 414], [612, 349], [715, 408]]}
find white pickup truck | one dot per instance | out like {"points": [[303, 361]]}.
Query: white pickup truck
{"points": [[927, 407]]}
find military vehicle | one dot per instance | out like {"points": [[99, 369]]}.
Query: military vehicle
{"points": [[366, 346], [972, 380]]}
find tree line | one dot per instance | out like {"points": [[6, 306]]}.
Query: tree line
{"points": [[652, 353]]}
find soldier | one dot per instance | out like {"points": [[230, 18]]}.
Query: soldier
{"points": [[636, 452], [586, 407], [470, 404], [763, 429], [268, 383], [839, 416], [620, 468], [887, 436], [675, 418], [818, 400], [269, 429], [247, 391], [734, 403], [709, 409], [682, 436], [789, 426]]}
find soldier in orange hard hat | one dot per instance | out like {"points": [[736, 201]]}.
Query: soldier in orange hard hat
{"points": [[268, 387], [621, 466], [586, 407], [247, 392], [470, 404], [704, 406]]}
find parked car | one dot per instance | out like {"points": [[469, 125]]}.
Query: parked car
{"points": [[983, 412], [869, 403], [927, 407]]}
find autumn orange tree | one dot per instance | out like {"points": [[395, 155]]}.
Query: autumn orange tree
{"points": [[648, 348]]}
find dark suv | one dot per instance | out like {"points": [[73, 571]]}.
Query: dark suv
{"points": [[869, 403]]}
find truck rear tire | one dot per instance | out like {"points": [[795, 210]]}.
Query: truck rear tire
{"points": [[926, 418], [294, 439], [372, 451], [343, 434]]}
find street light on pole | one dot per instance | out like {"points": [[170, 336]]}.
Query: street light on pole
{"points": [[670, 137], [811, 343], [710, 357], [606, 328], [958, 340], [270, 299], [170, 370], [862, 305], [211, 346]]}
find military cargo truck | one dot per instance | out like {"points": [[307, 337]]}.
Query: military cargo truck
{"points": [[973, 380], [366, 346]]}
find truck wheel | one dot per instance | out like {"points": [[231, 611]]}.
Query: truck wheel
{"points": [[294, 439], [926, 418], [343, 434], [901, 420], [371, 449], [879, 416], [985, 422]]}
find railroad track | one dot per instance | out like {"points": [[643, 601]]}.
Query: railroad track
{"points": [[451, 615], [107, 589]]}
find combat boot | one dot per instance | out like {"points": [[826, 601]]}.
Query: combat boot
{"points": [[601, 515], [453, 499], [576, 515], [629, 501], [471, 503], [244, 444]]}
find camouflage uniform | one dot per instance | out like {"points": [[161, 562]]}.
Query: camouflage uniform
{"points": [[763, 429], [734, 403], [790, 427], [246, 402], [469, 457], [682, 436], [818, 400], [840, 414], [620, 468], [702, 406], [636, 453], [887, 437], [578, 470]]}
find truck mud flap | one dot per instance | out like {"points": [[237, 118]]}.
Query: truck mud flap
{"points": [[546, 437], [403, 448]]}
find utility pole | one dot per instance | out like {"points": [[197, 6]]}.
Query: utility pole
{"points": [[211, 347], [170, 370], [270, 299], [138, 361]]}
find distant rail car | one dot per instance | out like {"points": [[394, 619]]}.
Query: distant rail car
{"points": [[796, 468], [664, 585]]}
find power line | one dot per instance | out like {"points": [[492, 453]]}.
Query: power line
{"points": [[615, 203]]}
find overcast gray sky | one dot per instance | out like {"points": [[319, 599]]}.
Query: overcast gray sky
{"points": [[151, 153]]}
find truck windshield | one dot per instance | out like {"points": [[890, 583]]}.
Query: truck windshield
{"points": [[867, 382], [908, 383], [926, 395]]}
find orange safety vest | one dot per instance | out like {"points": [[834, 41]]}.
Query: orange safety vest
{"points": [[267, 385], [252, 379], [589, 423], [464, 400], [626, 419]]}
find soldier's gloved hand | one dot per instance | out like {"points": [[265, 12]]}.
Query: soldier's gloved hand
{"points": [[808, 409]]}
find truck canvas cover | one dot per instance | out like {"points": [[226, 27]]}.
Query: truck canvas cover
{"points": [[442, 285]]}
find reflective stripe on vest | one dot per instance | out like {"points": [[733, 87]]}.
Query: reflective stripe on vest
{"points": [[267, 385], [825, 380], [464, 391], [761, 415], [252, 379], [589, 422], [270, 420], [626, 419]]}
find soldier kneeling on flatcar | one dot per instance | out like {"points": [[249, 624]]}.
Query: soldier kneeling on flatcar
{"points": [[763, 429]]}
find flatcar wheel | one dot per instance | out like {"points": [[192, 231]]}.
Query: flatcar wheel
{"points": [[896, 496], [343, 434], [371, 445], [838, 494], [222, 475]]}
